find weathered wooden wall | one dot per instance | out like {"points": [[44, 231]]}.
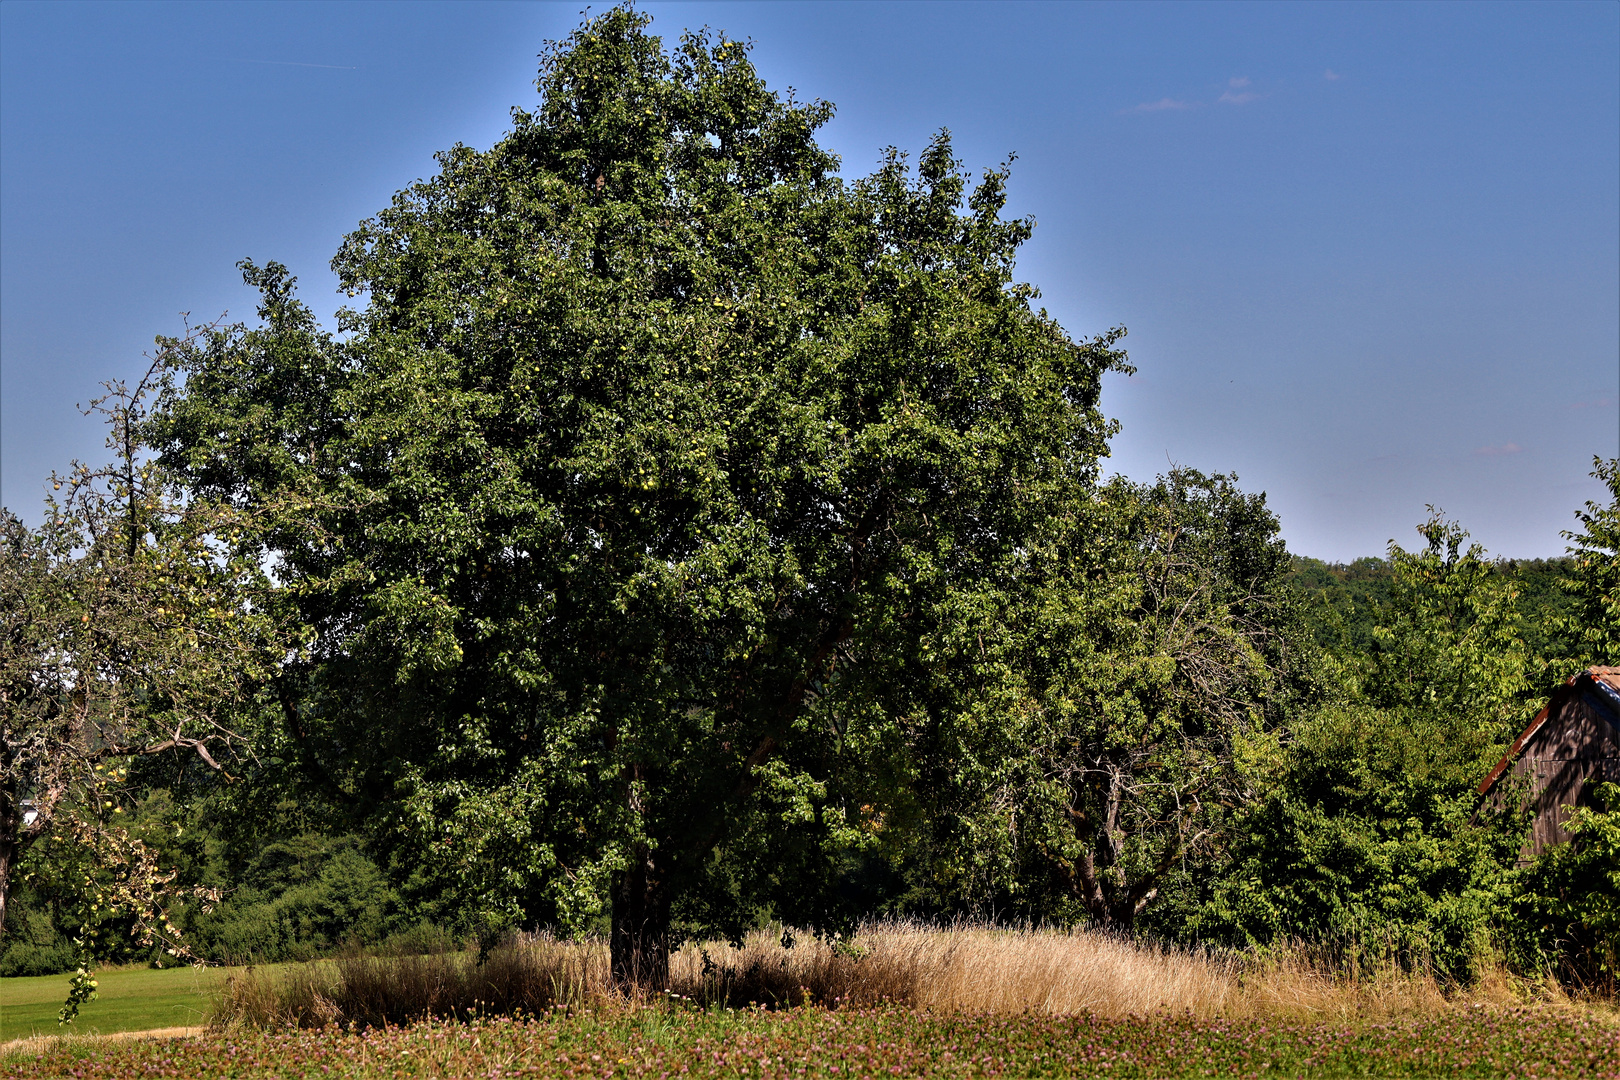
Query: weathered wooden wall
{"points": [[1579, 741]]}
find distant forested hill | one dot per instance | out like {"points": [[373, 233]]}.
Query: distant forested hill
{"points": [[1342, 600]]}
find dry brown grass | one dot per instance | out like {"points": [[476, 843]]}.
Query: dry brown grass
{"points": [[965, 968], [990, 969], [876, 967], [32, 1045], [527, 973]]}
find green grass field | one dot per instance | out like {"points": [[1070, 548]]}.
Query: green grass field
{"points": [[134, 999]]}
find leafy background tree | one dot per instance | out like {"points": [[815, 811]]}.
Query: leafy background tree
{"points": [[1159, 648], [1593, 627]]}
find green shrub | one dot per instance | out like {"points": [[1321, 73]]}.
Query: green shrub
{"points": [[1374, 840], [1568, 907], [25, 958], [1368, 831], [302, 897]]}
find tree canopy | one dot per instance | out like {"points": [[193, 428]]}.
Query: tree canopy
{"points": [[649, 512]]}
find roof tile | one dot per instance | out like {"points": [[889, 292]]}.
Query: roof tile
{"points": [[1610, 675]]}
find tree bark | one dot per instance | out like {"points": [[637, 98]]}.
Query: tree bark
{"points": [[7, 849], [640, 938], [8, 852], [11, 829]]}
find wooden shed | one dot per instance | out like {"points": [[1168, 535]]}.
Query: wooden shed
{"points": [[1574, 739]]}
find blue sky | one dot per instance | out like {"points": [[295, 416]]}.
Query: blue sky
{"points": [[1369, 255]]}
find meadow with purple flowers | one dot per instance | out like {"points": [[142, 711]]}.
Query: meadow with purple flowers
{"points": [[884, 1041]]}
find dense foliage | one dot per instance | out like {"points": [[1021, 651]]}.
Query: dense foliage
{"points": [[283, 894], [644, 518], [1567, 906]]}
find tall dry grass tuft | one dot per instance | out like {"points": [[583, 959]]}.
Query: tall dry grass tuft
{"points": [[963, 968], [977, 968], [528, 973], [525, 973], [1029, 970], [813, 972], [969, 968], [294, 995]]}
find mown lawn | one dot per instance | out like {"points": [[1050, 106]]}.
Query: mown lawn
{"points": [[134, 999], [871, 1043]]}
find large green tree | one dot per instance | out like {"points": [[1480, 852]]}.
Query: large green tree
{"points": [[651, 514]]}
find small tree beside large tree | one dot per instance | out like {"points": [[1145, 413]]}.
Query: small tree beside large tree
{"points": [[125, 632]]}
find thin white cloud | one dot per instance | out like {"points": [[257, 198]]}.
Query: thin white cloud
{"points": [[1161, 105], [1331, 76], [1600, 403], [1498, 451], [1236, 94]]}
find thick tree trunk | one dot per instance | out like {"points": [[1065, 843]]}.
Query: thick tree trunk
{"points": [[640, 941]]}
